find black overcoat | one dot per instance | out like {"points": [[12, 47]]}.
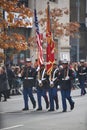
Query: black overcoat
{"points": [[4, 85]]}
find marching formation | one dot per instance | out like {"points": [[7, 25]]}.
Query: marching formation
{"points": [[29, 76]]}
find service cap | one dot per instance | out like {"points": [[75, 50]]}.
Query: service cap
{"points": [[28, 60], [65, 62], [82, 61]]}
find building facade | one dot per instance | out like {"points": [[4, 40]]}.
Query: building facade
{"points": [[79, 45], [62, 43]]}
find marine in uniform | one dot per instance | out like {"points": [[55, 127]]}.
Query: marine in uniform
{"points": [[82, 73], [28, 76], [53, 95], [42, 86], [66, 75]]}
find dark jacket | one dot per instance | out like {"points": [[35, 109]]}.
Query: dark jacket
{"points": [[29, 77], [10, 75], [3, 82], [54, 76], [66, 77], [44, 79], [82, 72]]}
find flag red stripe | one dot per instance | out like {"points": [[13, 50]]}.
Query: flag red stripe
{"points": [[50, 44], [38, 38], [40, 51]]}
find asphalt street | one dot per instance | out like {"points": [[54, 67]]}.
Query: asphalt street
{"points": [[13, 118]]}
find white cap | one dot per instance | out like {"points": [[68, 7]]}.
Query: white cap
{"points": [[82, 60], [28, 60], [65, 61], [60, 67]]}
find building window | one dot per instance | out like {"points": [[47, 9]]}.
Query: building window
{"points": [[53, 0], [25, 2]]}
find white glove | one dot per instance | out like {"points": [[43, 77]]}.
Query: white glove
{"points": [[38, 68], [67, 77]]}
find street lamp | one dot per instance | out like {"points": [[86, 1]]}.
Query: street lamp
{"points": [[78, 20]]}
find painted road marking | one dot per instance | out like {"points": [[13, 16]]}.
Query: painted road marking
{"points": [[12, 127]]}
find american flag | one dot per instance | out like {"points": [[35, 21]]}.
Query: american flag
{"points": [[38, 38]]}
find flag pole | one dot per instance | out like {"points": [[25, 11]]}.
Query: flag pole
{"points": [[34, 24], [34, 4], [38, 38], [35, 28]]}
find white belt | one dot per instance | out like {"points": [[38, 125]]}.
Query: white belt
{"points": [[82, 73], [43, 79], [65, 79], [28, 78]]}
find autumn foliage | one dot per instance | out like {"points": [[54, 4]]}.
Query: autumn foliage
{"points": [[59, 28], [13, 40], [17, 41]]}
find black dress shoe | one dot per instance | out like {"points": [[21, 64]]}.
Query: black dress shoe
{"points": [[25, 109], [84, 92], [8, 97], [4, 100], [72, 106], [51, 110], [64, 111], [39, 109]]}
